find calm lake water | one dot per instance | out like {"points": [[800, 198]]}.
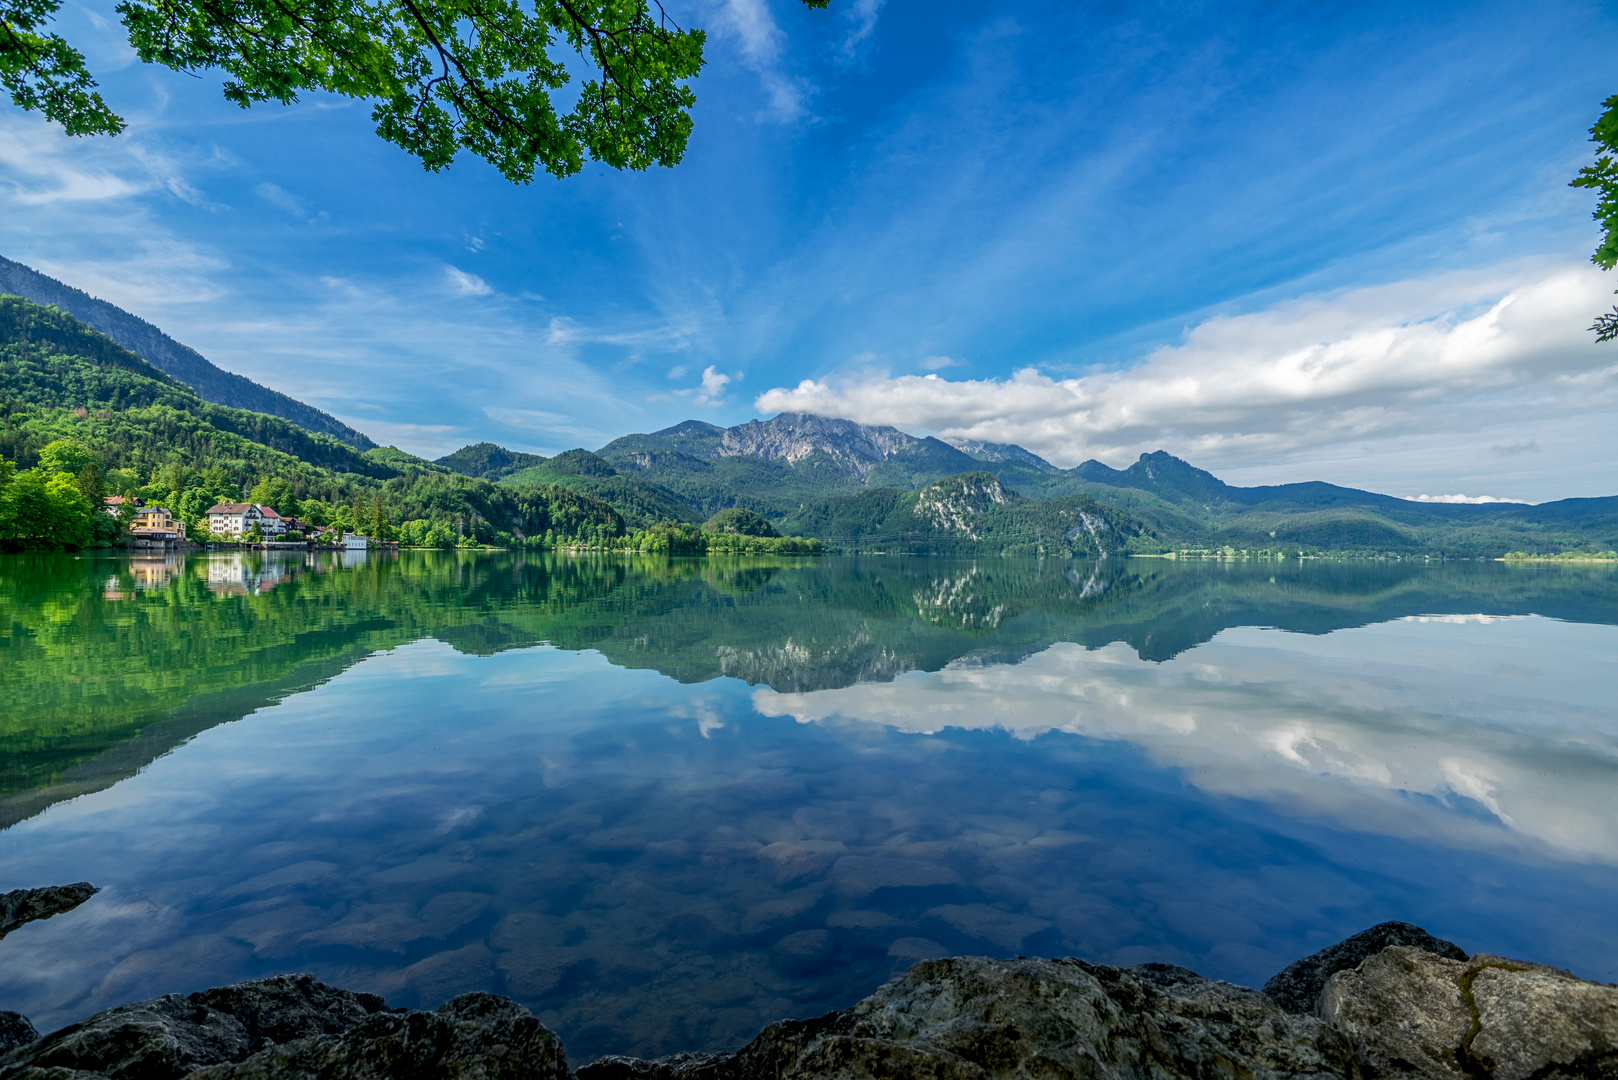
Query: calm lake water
{"points": [[665, 802]]}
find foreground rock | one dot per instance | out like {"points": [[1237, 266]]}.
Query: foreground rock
{"points": [[15, 1030], [1399, 1010], [1410, 1013], [974, 1018], [293, 1026], [25, 905], [1297, 988]]}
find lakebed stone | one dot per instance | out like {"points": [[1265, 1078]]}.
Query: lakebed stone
{"points": [[1400, 1011]]}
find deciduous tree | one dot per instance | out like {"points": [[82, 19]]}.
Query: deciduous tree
{"points": [[442, 75]]}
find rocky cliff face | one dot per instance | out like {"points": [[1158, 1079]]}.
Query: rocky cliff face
{"points": [[1414, 1010], [951, 504], [796, 436]]}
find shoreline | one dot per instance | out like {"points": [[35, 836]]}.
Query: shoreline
{"points": [[1391, 1002]]}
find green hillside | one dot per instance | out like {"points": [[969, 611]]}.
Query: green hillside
{"points": [[640, 503], [132, 430], [487, 461]]}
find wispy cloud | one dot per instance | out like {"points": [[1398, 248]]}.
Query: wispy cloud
{"points": [[759, 41], [280, 197], [861, 17], [1331, 369], [462, 283]]}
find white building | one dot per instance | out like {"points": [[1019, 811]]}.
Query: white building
{"points": [[271, 523], [237, 519]]}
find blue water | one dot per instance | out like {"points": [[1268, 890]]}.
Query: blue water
{"points": [[655, 865]]}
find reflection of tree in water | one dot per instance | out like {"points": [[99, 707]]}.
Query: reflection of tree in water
{"points": [[93, 652]]}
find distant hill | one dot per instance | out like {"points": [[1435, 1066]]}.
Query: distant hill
{"points": [[487, 461], [51, 360], [1001, 452], [167, 355], [641, 503]]}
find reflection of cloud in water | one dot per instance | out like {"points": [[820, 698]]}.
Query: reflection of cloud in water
{"points": [[1468, 731]]}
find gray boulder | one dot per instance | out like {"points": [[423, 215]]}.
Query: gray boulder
{"points": [[297, 1028], [167, 1037], [1298, 986], [25, 905], [15, 1031], [972, 1018], [471, 1037], [1411, 1013]]}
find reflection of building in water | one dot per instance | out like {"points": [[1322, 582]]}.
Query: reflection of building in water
{"points": [[149, 572], [156, 572], [235, 575], [352, 557]]}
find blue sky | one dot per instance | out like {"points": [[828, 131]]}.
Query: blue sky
{"points": [[1284, 241]]}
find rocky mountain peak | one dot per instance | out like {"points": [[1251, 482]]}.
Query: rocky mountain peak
{"points": [[992, 451], [795, 436]]}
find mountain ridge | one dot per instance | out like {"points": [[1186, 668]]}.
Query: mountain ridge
{"points": [[211, 382]]}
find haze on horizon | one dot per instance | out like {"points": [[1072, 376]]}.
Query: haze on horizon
{"points": [[1284, 243]]}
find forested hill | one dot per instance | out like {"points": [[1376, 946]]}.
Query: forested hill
{"points": [[72, 401], [211, 383]]}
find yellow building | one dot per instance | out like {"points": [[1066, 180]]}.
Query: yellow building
{"points": [[153, 520]]}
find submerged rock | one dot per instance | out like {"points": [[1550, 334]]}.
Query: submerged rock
{"points": [[25, 905], [1298, 986], [1411, 1013], [973, 1017]]}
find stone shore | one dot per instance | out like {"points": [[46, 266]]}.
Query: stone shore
{"points": [[1392, 1001]]}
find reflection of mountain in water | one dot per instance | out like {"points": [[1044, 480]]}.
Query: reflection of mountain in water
{"points": [[105, 664]]}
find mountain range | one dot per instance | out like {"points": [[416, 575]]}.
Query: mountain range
{"points": [[859, 487], [856, 486]]}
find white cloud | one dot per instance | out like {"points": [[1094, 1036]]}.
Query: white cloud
{"points": [[759, 40], [938, 363], [464, 284], [1322, 727], [1473, 499], [713, 387], [1444, 353], [677, 371]]}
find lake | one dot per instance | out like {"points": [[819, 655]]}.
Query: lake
{"points": [[664, 802]]}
